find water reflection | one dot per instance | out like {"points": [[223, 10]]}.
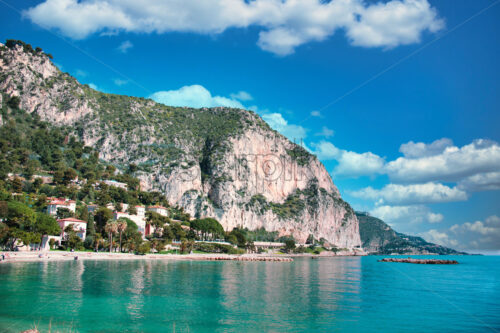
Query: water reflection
{"points": [[278, 293]]}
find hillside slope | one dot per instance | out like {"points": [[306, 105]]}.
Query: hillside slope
{"points": [[379, 238], [215, 162]]}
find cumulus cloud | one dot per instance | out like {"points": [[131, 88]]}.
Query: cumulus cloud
{"points": [[280, 124], [412, 194], [452, 164], [488, 181], [242, 96], [438, 237], [478, 235], [125, 46], [195, 96], [350, 164], [421, 149], [284, 25], [326, 132], [406, 214]]}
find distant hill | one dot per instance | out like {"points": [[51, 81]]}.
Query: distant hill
{"points": [[379, 238]]}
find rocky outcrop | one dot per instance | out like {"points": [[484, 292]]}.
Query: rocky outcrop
{"points": [[421, 261], [215, 162]]}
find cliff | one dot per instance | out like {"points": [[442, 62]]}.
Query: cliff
{"points": [[215, 162]]}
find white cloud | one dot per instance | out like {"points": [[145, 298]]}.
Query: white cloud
{"points": [[277, 122], [120, 82], [412, 194], [406, 214], [316, 114], [476, 235], [353, 164], [242, 96], [441, 238], [350, 164], [284, 24], [452, 164], [394, 23], [326, 132], [125, 46], [488, 181], [195, 96], [421, 149]]}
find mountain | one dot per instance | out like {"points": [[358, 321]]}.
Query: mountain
{"points": [[379, 238], [214, 162]]}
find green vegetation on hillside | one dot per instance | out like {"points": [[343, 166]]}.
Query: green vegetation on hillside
{"points": [[379, 238]]}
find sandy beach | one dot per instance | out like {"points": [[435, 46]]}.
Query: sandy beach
{"points": [[11, 257], [34, 256]]}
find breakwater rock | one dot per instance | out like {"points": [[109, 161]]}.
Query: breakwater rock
{"points": [[243, 258], [421, 261]]}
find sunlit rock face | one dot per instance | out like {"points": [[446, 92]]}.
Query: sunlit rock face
{"points": [[215, 162]]}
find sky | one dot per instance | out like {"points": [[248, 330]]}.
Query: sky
{"points": [[399, 99]]}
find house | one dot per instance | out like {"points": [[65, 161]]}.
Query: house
{"points": [[115, 184], [78, 225], [55, 203], [92, 208], [139, 218], [45, 246], [158, 209]]}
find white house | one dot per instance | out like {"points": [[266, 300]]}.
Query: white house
{"points": [[115, 184], [55, 203], [78, 225], [139, 218], [158, 209]]}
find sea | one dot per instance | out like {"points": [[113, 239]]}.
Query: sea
{"points": [[335, 294]]}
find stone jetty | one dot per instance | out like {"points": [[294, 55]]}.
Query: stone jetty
{"points": [[421, 261], [242, 258]]}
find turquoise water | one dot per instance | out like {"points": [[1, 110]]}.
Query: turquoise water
{"points": [[345, 294]]}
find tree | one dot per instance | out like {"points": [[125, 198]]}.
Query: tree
{"points": [[132, 210], [82, 212], [71, 238], [68, 175], [186, 246], [121, 226], [17, 185], [111, 228], [144, 248], [46, 225], [63, 213], [101, 217], [20, 220], [289, 245], [52, 242], [156, 220]]}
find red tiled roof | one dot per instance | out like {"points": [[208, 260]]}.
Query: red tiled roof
{"points": [[160, 207]]}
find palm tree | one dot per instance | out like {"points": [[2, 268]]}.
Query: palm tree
{"points": [[122, 226], [111, 227], [97, 241]]}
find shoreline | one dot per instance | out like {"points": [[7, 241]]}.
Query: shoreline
{"points": [[14, 257]]}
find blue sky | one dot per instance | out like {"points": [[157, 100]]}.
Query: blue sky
{"points": [[399, 99]]}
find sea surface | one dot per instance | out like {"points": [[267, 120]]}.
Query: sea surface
{"points": [[343, 294]]}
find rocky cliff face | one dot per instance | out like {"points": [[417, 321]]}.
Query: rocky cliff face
{"points": [[214, 162]]}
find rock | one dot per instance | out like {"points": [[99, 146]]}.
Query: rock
{"points": [[243, 174], [421, 261]]}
